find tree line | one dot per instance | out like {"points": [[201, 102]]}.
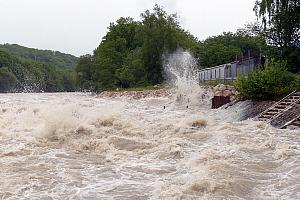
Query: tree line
{"points": [[54, 58], [18, 75], [280, 27], [131, 53]]}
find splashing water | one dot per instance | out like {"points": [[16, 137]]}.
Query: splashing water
{"points": [[76, 146], [180, 69], [79, 146]]}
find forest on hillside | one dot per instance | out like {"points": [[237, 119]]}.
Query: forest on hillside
{"points": [[54, 58], [19, 72]]}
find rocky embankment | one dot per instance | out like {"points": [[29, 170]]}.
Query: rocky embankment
{"points": [[249, 109], [136, 94], [226, 91]]}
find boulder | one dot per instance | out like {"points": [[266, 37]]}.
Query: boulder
{"points": [[218, 93], [227, 93], [216, 88], [222, 87]]}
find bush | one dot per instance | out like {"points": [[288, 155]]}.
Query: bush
{"points": [[269, 83]]}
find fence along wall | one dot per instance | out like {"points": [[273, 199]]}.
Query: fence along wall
{"points": [[228, 71]]}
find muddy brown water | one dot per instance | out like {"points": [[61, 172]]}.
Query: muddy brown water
{"points": [[79, 146]]}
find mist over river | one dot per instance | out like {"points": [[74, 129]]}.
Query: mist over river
{"points": [[80, 146]]}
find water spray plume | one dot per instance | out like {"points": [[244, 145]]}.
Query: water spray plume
{"points": [[180, 69]]}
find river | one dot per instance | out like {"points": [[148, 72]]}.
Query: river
{"points": [[80, 146]]}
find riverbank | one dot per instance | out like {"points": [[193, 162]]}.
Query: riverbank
{"points": [[245, 109], [136, 94]]}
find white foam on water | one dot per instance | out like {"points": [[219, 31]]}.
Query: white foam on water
{"points": [[79, 146]]}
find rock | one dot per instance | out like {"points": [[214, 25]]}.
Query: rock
{"points": [[216, 88], [222, 87], [233, 98], [231, 88], [227, 93], [218, 93]]}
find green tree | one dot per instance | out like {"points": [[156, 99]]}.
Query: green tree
{"points": [[269, 83], [281, 20], [6, 59], [226, 47], [54, 58], [32, 76], [112, 52], [159, 36], [281, 24], [8, 80], [84, 73], [69, 80], [124, 77], [135, 65]]}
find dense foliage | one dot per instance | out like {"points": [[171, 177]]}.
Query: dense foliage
{"points": [[131, 53], [54, 58], [31, 76], [281, 28], [84, 72], [228, 47], [270, 82], [280, 21]]}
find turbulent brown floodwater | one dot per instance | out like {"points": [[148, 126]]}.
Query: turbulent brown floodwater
{"points": [[79, 146]]}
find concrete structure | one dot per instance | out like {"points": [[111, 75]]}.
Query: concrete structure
{"points": [[283, 113]]}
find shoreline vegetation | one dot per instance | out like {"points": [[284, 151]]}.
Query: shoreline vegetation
{"points": [[130, 56]]}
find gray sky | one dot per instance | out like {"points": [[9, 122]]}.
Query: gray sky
{"points": [[77, 26]]}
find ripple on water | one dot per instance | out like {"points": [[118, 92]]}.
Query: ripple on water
{"points": [[76, 146]]}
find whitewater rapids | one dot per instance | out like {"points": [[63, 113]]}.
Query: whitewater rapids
{"points": [[80, 146]]}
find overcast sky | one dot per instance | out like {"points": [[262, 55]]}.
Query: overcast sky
{"points": [[77, 26]]}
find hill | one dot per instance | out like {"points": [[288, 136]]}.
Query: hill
{"points": [[18, 75], [54, 58]]}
